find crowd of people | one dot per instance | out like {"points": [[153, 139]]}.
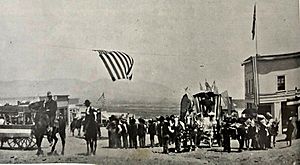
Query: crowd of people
{"points": [[131, 132], [252, 132]]}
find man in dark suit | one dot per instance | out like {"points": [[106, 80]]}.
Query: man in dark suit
{"points": [[152, 132], [132, 131], [51, 108], [124, 133]]}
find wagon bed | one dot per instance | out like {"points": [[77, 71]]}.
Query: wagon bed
{"points": [[17, 136]]}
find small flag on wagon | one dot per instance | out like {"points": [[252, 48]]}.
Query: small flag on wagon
{"points": [[208, 87], [201, 88], [118, 64], [215, 88]]}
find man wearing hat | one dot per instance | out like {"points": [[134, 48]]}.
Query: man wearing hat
{"points": [[270, 120], [152, 132], [290, 130], [124, 132], [51, 108], [90, 111]]}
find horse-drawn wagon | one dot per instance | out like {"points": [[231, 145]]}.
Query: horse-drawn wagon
{"points": [[17, 136], [201, 116], [16, 128]]}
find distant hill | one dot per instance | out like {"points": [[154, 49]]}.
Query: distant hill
{"points": [[118, 92]]}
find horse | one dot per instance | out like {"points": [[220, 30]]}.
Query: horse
{"points": [[41, 123], [76, 124], [90, 128]]}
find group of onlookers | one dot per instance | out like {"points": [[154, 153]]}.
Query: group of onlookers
{"points": [[256, 132], [131, 133], [124, 134]]}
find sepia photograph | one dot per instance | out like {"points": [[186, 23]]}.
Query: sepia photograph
{"points": [[150, 82]]}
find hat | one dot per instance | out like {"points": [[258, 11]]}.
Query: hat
{"points": [[49, 94], [87, 102], [268, 114]]}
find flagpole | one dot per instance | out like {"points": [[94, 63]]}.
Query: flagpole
{"points": [[254, 59]]}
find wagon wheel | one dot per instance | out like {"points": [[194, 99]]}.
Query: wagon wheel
{"points": [[13, 143], [23, 142], [33, 142], [26, 143]]}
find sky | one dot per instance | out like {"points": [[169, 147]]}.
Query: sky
{"points": [[169, 40]]}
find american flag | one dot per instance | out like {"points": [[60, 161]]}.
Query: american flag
{"points": [[253, 24], [118, 64]]}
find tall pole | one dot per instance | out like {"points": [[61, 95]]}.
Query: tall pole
{"points": [[256, 65], [254, 60], [256, 81]]}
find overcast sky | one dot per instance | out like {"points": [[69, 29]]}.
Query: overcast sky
{"points": [[169, 40]]}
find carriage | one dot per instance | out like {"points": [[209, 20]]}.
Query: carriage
{"points": [[18, 133], [17, 136], [208, 108], [201, 116]]}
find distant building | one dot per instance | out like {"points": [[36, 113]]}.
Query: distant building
{"points": [[272, 85], [19, 113], [72, 109]]}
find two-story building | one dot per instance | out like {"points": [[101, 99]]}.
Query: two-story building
{"points": [[272, 84]]}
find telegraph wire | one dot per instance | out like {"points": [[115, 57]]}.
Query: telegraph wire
{"points": [[11, 42]]}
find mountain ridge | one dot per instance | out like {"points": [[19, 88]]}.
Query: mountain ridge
{"points": [[120, 91]]}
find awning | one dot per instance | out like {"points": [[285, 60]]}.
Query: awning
{"points": [[293, 102]]}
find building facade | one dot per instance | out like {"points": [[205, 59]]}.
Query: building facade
{"points": [[272, 84]]}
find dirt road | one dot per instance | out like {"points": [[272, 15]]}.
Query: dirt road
{"points": [[76, 149]]}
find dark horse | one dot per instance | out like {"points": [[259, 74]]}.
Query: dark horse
{"points": [[76, 124], [90, 128], [39, 129]]}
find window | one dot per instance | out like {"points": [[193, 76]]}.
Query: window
{"points": [[280, 83]]}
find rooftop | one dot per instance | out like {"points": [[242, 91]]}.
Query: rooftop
{"points": [[273, 57]]}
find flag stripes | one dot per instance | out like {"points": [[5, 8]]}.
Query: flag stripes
{"points": [[118, 64]]}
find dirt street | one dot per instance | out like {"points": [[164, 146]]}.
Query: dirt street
{"points": [[76, 149]]}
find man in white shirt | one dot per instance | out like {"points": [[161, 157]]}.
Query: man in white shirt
{"points": [[2, 120]]}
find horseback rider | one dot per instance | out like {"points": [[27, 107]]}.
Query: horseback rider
{"points": [[90, 113], [51, 108]]}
